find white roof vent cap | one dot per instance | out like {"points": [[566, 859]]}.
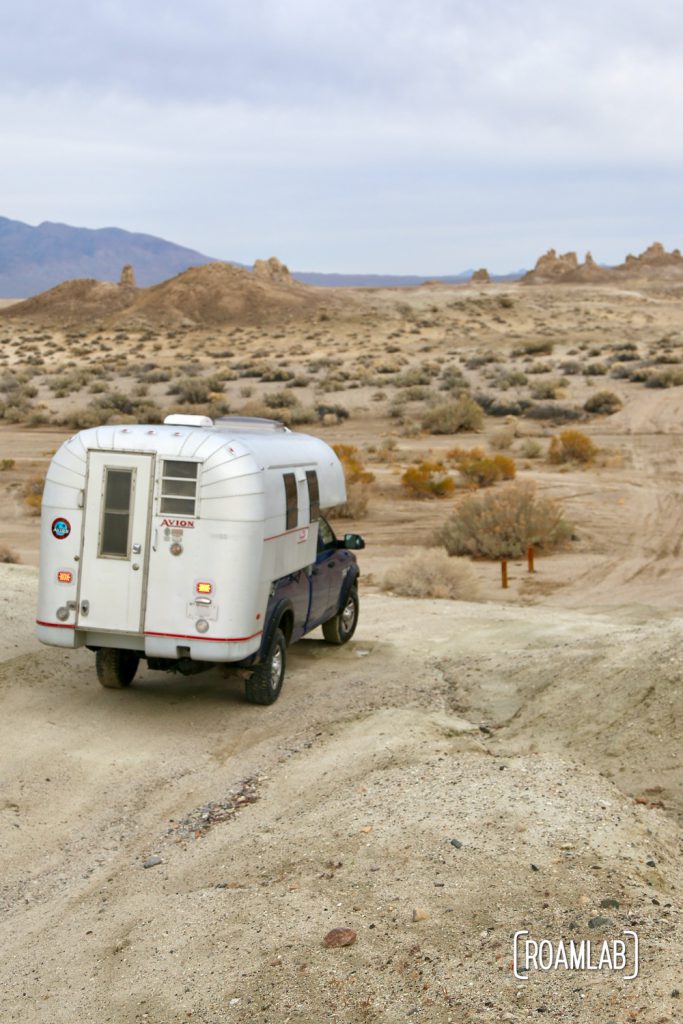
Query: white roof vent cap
{"points": [[178, 419]]}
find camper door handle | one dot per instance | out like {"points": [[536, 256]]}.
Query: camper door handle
{"points": [[137, 548]]}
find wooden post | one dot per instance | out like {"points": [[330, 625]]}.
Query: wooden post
{"points": [[504, 573], [530, 559]]}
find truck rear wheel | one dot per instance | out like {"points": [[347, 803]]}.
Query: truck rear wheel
{"points": [[265, 682], [115, 668], [342, 626]]}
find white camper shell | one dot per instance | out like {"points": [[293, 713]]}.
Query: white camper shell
{"points": [[172, 542]]}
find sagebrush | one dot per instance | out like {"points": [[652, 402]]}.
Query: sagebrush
{"points": [[432, 573], [504, 524]]}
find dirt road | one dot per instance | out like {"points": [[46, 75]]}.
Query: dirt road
{"points": [[523, 733]]}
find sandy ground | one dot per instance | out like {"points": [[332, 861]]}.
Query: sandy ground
{"points": [[545, 741], [538, 727]]}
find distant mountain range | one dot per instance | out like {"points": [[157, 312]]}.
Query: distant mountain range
{"points": [[33, 259]]}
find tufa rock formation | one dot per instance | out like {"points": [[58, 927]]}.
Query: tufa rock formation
{"points": [[652, 264], [127, 279], [273, 270], [480, 276], [550, 266]]}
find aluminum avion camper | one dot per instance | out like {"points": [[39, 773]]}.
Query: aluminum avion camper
{"points": [[193, 543]]}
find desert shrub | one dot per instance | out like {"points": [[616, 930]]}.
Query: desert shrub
{"points": [[571, 367], [332, 413], [539, 368], [155, 376], [452, 417], [37, 418], [452, 378], [505, 379], [191, 390], [545, 389], [428, 480], [32, 493], [270, 374], [494, 406], [605, 402], [6, 464], [8, 556], [504, 523], [502, 438], [571, 446], [664, 379], [484, 470], [416, 375], [289, 415], [594, 369], [354, 470], [431, 573], [81, 419], [539, 347], [620, 371], [356, 503], [481, 359], [530, 448], [555, 412], [281, 400]]}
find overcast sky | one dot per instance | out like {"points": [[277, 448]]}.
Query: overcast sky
{"points": [[350, 135]]}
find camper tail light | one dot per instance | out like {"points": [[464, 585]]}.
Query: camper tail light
{"points": [[64, 576], [204, 587]]}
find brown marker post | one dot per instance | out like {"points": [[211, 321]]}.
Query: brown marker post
{"points": [[530, 559], [504, 573]]}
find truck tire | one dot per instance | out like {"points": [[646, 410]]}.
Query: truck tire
{"points": [[342, 626], [265, 682], [116, 668]]}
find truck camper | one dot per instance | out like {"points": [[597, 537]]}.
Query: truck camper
{"points": [[194, 543]]}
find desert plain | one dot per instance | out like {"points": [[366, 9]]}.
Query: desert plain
{"points": [[537, 726]]}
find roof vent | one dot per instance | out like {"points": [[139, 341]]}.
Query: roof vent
{"points": [[177, 419], [250, 423]]}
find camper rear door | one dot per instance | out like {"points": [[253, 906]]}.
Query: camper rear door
{"points": [[115, 541]]}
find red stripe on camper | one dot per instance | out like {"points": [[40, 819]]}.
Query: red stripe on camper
{"points": [[214, 639], [297, 529], [56, 625]]}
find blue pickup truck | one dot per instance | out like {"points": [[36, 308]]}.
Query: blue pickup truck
{"points": [[324, 595]]}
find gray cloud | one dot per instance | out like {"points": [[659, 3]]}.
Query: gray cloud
{"points": [[330, 132]]}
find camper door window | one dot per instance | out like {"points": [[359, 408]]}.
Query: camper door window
{"points": [[178, 488], [115, 531]]}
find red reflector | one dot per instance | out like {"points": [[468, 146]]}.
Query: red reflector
{"points": [[64, 576], [204, 588]]}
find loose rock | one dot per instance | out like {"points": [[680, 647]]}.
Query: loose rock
{"points": [[152, 862], [340, 937], [419, 914]]}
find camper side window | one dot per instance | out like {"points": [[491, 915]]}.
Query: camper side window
{"points": [[291, 501], [313, 495], [115, 528], [178, 488]]}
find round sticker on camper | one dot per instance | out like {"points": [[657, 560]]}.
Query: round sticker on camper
{"points": [[61, 528]]}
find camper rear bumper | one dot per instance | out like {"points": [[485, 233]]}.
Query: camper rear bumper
{"points": [[163, 645], [153, 645]]}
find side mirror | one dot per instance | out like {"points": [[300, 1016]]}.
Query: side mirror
{"points": [[353, 541]]}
